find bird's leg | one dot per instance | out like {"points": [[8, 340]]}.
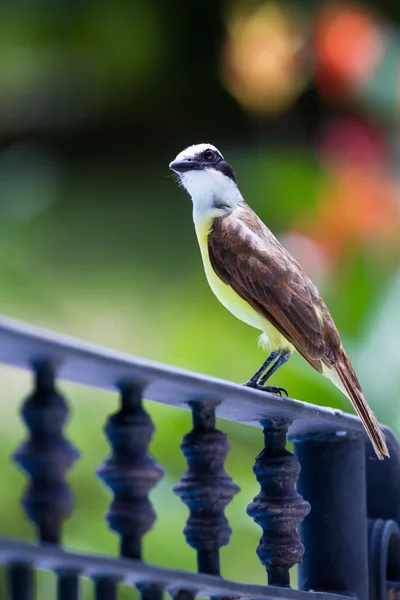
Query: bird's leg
{"points": [[252, 382], [283, 358], [258, 380]]}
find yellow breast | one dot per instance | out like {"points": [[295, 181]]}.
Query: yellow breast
{"points": [[230, 299]]}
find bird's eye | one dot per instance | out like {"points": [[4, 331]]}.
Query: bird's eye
{"points": [[209, 154]]}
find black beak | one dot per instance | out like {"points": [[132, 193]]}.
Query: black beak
{"points": [[181, 166]]}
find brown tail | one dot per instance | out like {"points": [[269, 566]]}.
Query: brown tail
{"points": [[349, 380]]}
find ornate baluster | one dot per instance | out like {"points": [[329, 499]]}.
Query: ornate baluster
{"points": [[278, 508], [182, 594], [105, 588], [206, 488], [130, 472], [20, 582], [151, 591], [45, 456], [67, 585]]}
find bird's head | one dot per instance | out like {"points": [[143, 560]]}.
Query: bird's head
{"points": [[204, 173]]}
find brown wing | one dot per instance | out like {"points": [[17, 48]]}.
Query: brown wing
{"points": [[246, 256]]}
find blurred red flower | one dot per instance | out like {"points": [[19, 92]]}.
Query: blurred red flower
{"points": [[358, 202], [348, 45]]}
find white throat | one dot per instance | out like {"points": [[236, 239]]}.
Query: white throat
{"points": [[211, 192]]}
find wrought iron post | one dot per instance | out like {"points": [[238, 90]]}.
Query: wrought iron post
{"points": [[383, 510], [45, 456], [205, 487], [383, 475], [20, 581], [278, 509], [335, 533], [130, 472], [384, 558], [106, 587], [184, 594]]}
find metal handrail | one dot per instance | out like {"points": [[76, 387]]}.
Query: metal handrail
{"points": [[23, 346]]}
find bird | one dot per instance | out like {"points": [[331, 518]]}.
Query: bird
{"points": [[260, 283]]}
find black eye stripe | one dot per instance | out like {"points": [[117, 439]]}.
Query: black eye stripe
{"points": [[225, 168]]}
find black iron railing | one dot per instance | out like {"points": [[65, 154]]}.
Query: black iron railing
{"points": [[349, 542]]}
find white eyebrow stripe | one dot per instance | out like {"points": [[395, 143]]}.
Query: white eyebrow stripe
{"points": [[195, 150]]}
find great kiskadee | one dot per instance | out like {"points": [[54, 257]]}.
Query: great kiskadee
{"points": [[258, 281]]}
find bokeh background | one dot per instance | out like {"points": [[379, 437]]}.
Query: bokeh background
{"points": [[97, 241]]}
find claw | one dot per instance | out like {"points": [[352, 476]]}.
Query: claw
{"points": [[279, 390], [261, 376]]}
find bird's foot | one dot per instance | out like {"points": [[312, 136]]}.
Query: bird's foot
{"points": [[278, 391]]}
